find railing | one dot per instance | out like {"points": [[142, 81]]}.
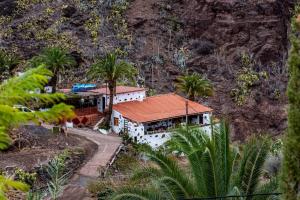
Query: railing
{"points": [[173, 128]]}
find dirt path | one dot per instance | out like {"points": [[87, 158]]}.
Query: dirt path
{"points": [[107, 146]]}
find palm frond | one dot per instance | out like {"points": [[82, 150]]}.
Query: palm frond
{"points": [[170, 169], [7, 183], [145, 173], [20, 91], [267, 188], [194, 85], [209, 173], [134, 193], [255, 155], [5, 140]]}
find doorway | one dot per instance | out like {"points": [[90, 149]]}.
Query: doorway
{"points": [[103, 104]]}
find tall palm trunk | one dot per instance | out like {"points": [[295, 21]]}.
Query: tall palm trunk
{"points": [[53, 82], [191, 97], [111, 87]]}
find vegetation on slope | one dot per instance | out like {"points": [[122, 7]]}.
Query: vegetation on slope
{"points": [[215, 169], [291, 163]]}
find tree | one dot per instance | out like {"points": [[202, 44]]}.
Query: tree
{"points": [[215, 168], [194, 86], [56, 60], [290, 183], [112, 70], [7, 63], [19, 91]]}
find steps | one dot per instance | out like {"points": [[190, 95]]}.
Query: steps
{"points": [[125, 126]]}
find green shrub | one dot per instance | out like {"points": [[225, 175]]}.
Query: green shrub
{"points": [[246, 79], [126, 163], [25, 177], [101, 189]]}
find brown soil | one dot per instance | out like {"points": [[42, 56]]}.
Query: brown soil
{"points": [[39, 145]]}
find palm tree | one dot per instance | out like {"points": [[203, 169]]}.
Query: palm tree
{"points": [[56, 60], [194, 86], [112, 70], [215, 169], [7, 63], [7, 183], [18, 90]]}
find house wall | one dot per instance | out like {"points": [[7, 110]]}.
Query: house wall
{"points": [[125, 97], [137, 130], [120, 127], [206, 118], [120, 98], [156, 140]]}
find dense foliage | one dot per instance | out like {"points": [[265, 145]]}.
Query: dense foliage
{"points": [[7, 64], [22, 90], [215, 169], [56, 60], [112, 70], [7, 183], [194, 85], [291, 163]]}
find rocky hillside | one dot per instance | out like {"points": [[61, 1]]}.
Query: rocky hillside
{"points": [[240, 45]]}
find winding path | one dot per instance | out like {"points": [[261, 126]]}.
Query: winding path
{"points": [[107, 146]]}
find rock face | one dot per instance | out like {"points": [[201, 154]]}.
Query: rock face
{"points": [[7, 7], [166, 38], [212, 35]]}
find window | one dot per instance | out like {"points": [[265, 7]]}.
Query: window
{"points": [[116, 121]]}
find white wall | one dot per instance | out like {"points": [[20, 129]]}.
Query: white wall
{"points": [[156, 140], [137, 130], [117, 129], [206, 118], [125, 97]]}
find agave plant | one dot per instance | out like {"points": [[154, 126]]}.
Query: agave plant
{"points": [[215, 168]]}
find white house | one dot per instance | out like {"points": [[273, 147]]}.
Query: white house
{"points": [[150, 120], [146, 119], [123, 94]]}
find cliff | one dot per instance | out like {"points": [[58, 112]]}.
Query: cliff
{"points": [[241, 46]]}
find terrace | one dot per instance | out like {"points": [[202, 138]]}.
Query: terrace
{"points": [[171, 124]]}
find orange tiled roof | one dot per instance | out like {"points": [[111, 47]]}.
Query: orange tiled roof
{"points": [[119, 90], [158, 108]]}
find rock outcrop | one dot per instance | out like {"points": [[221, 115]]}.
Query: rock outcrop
{"points": [[166, 38], [212, 35]]}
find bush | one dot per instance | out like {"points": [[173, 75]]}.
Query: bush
{"points": [[126, 162], [25, 177], [101, 189], [246, 79]]}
